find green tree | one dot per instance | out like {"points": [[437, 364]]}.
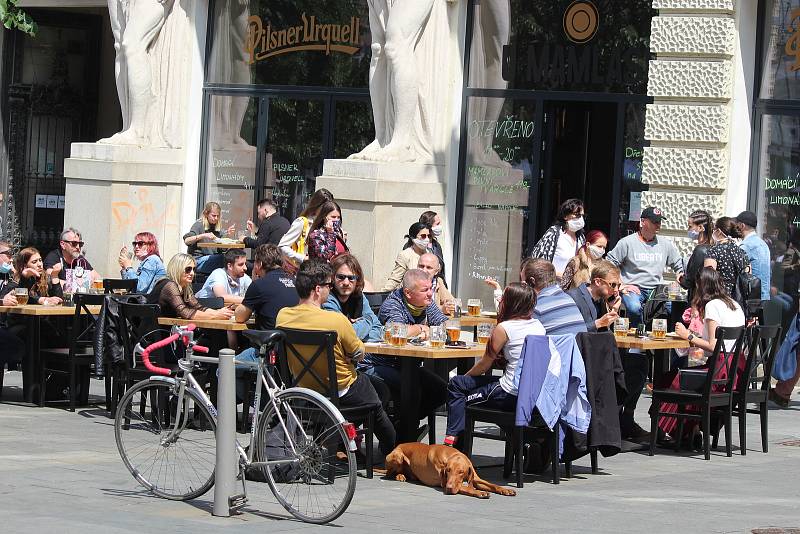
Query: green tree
{"points": [[15, 18]]}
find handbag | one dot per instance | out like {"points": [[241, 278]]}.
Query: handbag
{"points": [[747, 287]]}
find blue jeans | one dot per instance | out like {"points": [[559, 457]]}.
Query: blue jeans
{"points": [[206, 264], [634, 304]]}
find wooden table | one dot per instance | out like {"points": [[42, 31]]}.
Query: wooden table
{"points": [[34, 314], [214, 244], [472, 320], [659, 347], [228, 325], [410, 358]]}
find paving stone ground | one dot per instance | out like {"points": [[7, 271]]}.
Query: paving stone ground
{"points": [[60, 472]]}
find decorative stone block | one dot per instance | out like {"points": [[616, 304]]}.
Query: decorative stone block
{"points": [[685, 167], [723, 6], [691, 124], [709, 80], [678, 206], [693, 36], [684, 245]]}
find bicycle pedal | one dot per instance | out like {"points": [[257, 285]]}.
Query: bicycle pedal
{"points": [[237, 501]]}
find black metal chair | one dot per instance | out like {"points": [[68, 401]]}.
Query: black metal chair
{"points": [[112, 285], [375, 299], [702, 388], [304, 373], [78, 356], [754, 389], [215, 303]]}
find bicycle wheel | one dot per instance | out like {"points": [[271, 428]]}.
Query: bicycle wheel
{"points": [[177, 466], [315, 484]]}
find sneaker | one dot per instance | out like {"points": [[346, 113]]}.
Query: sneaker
{"points": [[778, 399], [637, 434]]}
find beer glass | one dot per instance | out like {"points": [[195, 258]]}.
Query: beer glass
{"points": [[621, 327], [474, 307], [453, 330], [438, 336], [659, 328], [22, 295], [387, 333], [484, 331], [399, 334]]}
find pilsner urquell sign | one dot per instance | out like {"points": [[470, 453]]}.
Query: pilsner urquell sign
{"points": [[264, 42]]}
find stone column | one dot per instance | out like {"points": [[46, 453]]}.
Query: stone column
{"points": [[688, 125]]}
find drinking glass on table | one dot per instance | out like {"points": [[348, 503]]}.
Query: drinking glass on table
{"points": [[621, 327], [97, 285], [484, 331], [453, 327], [399, 334], [438, 336], [457, 304], [22, 295], [474, 307], [387, 333], [659, 328]]}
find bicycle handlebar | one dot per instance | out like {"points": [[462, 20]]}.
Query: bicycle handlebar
{"points": [[179, 334]]}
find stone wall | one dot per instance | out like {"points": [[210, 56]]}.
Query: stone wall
{"points": [[688, 125]]}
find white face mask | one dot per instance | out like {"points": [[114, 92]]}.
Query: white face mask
{"points": [[596, 252], [437, 230], [575, 224], [422, 243]]}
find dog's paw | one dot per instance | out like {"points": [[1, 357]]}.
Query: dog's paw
{"points": [[400, 478], [507, 492], [483, 494]]}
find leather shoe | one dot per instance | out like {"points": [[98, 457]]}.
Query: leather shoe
{"points": [[637, 434], [778, 399]]}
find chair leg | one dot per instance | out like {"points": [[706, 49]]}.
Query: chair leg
{"points": [[707, 433], [681, 421], [72, 384], [593, 458], [743, 428], [654, 426], [519, 456], [508, 457], [728, 431], [432, 428], [469, 425], [2, 373], [762, 408], [107, 381], [42, 382], [568, 469], [554, 440], [370, 439]]}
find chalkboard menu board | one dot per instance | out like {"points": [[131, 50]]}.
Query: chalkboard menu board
{"points": [[232, 185]]}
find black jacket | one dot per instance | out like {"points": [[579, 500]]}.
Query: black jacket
{"points": [[693, 268], [586, 305], [107, 339], [270, 231]]}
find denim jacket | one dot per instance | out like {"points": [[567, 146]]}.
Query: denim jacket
{"points": [[148, 273], [368, 328]]}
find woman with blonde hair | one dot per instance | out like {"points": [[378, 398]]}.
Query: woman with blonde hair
{"points": [[175, 296], [576, 273], [205, 230]]}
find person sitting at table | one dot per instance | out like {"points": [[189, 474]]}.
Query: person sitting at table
{"points": [[432, 219], [230, 283], [294, 244], [577, 270], [598, 300], [174, 293], [412, 304], [13, 346], [6, 263], [429, 262], [347, 297], [514, 322], [314, 282], [29, 273], [326, 240], [717, 308], [557, 312], [562, 240], [151, 266], [418, 241], [271, 226], [205, 230], [69, 255], [272, 290]]}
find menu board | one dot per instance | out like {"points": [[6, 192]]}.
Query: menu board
{"points": [[232, 185]]}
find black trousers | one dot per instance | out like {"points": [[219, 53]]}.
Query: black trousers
{"points": [[12, 348], [635, 366], [362, 392]]}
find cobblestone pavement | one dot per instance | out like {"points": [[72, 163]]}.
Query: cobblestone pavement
{"points": [[60, 472]]}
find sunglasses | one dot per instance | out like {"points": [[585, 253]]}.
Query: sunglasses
{"points": [[140, 243], [329, 285], [76, 244], [612, 285], [343, 277], [7, 252], [188, 270]]}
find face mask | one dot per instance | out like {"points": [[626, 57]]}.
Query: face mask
{"points": [[596, 252], [693, 234], [5, 268], [437, 230], [575, 224], [422, 243], [718, 237]]}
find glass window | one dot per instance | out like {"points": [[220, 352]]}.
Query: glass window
{"points": [[781, 73], [231, 164], [561, 45], [779, 211], [291, 42], [499, 171], [353, 128], [630, 205]]}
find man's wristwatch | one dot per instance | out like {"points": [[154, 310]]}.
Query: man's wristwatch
{"points": [[690, 338]]}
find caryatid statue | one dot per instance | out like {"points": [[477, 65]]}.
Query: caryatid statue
{"points": [[406, 36]]}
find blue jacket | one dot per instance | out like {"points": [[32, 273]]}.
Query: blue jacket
{"points": [[785, 364], [758, 252], [368, 327], [147, 274], [552, 379]]}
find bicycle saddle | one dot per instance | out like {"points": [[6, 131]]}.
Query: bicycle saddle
{"points": [[270, 338]]}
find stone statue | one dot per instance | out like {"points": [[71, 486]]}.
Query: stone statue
{"points": [[409, 47], [151, 40]]}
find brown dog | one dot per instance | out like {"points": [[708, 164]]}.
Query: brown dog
{"points": [[439, 466]]}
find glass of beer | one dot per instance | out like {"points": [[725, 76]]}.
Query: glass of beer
{"points": [[97, 285], [484, 330], [474, 307], [438, 336], [399, 334], [659, 328], [22, 295], [387, 333], [453, 327], [621, 327]]}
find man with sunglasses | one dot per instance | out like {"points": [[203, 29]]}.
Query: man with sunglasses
{"points": [[69, 255], [599, 300], [347, 297]]}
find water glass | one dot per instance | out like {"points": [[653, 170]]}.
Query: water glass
{"points": [[621, 327], [474, 307], [438, 336], [457, 303], [484, 331]]}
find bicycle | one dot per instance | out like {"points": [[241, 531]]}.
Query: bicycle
{"points": [[165, 434]]}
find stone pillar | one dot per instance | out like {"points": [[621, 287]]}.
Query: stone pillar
{"points": [[688, 125], [379, 202]]}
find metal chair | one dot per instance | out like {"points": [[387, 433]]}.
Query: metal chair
{"points": [[112, 285]]}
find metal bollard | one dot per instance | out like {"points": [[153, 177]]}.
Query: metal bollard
{"points": [[225, 476]]}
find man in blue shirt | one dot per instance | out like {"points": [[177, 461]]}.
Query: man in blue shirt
{"points": [[556, 310], [756, 249], [230, 283]]}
